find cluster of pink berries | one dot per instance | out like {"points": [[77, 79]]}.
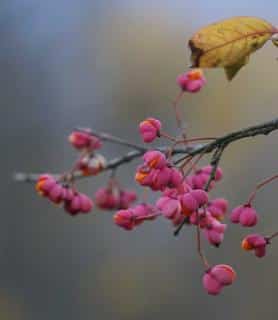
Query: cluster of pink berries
{"points": [[112, 197], [212, 228], [132, 217], [74, 202], [183, 197], [89, 163], [245, 215], [199, 179], [257, 243], [191, 81], [157, 173], [183, 202]]}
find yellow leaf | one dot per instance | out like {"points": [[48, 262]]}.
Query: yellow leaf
{"points": [[274, 39], [229, 43], [232, 70]]}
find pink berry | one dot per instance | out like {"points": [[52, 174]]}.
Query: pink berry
{"points": [[192, 200], [255, 242], [211, 285], [44, 184], [191, 81], [217, 277], [86, 204], [245, 215], [155, 159], [73, 206], [92, 165], [188, 203], [84, 140], [201, 196], [126, 198], [215, 238], [218, 208], [125, 219], [150, 129], [105, 198], [56, 193], [161, 179], [169, 207], [224, 274], [144, 212], [176, 178]]}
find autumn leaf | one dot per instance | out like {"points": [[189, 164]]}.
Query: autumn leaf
{"points": [[229, 43], [274, 39]]}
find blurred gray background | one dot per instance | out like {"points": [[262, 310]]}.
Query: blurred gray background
{"points": [[107, 65]]}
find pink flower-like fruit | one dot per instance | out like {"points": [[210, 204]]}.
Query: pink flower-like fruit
{"points": [[191, 81], [150, 129], [217, 277]]}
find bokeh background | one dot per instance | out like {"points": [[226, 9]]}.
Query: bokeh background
{"points": [[107, 65]]}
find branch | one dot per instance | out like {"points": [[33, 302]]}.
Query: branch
{"points": [[261, 129], [219, 145], [111, 165], [190, 151], [110, 138]]}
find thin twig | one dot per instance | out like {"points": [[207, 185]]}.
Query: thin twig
{"points": [[261, 129], [259, 186], [199, 245], [111, 165], [214, 163], [177, 231], [113, 139], [272, 236], [190, 151]]}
